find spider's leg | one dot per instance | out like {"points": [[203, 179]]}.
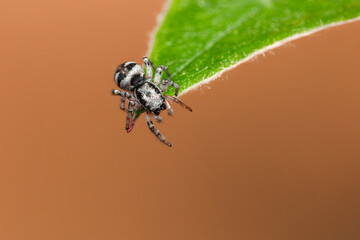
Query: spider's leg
{"points": [[132, 123], [158, 72], [149, 66], [149, 61], [169, 109], [166, 82], [174, 99], [129, 115], [157, 118], [155, 131], [123, 95]]}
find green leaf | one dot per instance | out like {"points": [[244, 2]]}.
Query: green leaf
{"points": [[199, 38]]}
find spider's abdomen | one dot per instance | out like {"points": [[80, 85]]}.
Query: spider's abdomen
{"points": [[128, 75], [149, 96]]}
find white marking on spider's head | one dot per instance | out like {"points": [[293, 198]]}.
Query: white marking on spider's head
{"points": [[116, 78], [127, 63], [136, 69]]}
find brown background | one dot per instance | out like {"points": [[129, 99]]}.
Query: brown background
{"points": [[270, 151]]}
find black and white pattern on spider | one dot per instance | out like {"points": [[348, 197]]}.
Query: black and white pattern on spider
{"points": [[145, 93]]}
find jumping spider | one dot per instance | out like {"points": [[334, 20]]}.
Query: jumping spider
{"points": [[145, 93]]}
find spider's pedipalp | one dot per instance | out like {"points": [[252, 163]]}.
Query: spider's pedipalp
{"points": [[155, 131]]}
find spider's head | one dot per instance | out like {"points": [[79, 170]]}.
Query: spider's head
{"points": [[158, 110]]}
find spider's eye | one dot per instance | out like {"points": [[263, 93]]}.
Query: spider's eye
{"points": [[163, 106]]}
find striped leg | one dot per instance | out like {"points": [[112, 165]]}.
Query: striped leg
{"points": [[123, 95], [166, 82], [155, 131], [129, 115], [149, 66], [157, 118], [169, 109], [158, 72], [132, 123], [174, 99]]}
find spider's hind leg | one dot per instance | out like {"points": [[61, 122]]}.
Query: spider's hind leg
{"points": [[155, 131], [174, 99], [129, 124], [132, 123], [169, 109]]}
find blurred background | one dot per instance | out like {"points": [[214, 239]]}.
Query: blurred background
{"points": [[270, 151]]}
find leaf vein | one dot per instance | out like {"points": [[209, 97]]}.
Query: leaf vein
{"points": [[220, 36]]}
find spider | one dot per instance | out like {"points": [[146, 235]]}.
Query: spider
{"points": [[145, 94]]}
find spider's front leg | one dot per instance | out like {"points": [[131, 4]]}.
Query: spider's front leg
{"points": [[149, 66], [123, 95], [158, 73], [166, 82], [155, 131]]}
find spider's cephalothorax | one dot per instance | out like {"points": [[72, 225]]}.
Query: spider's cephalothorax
{"points": [[145, 93]]}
